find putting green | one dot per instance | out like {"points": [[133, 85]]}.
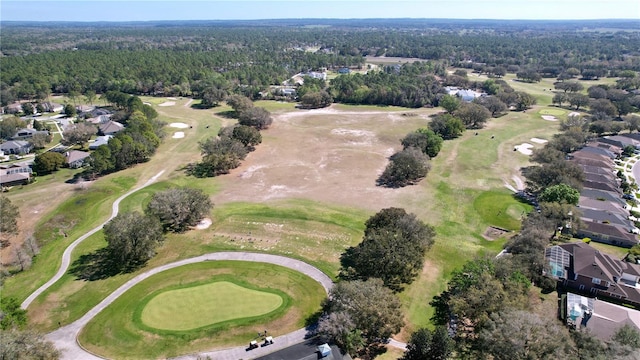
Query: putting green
{"points": [[198, 306], [500, 208], [554, 112]]}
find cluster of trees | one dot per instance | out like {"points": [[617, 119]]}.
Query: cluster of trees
{"points": [[225, 152], [362, 310], [412, 163], [132, 238], [135, 144], [10, 125]]}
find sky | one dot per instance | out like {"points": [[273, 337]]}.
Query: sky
{"points": [[146, 10]]}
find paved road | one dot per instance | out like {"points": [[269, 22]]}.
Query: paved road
{"points": [[65, 337], [66, 256]]}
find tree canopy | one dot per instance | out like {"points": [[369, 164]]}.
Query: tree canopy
{"points": [[366, 309], [179, 208], [560, 193], [48, 162], [405, 168], [392, 249], [426, 140], [429, 345], [132, 238], [9, 215]]}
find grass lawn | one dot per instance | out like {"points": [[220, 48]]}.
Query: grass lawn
{"points": [[552, 111], [194, 307], [114, 333]]}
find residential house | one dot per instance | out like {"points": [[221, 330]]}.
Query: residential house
{"points": [[83, 109], [310, 349], [344, 70], [100, 119], [603, 196], [606, 217], [23, 134], [15, 174], [52, 107], [75, 158], [99, 141], [110, 128], [605, 186], [589, 203], [317, 75], [608, 234], [601, 151], [16, 147], [591, 162], [620, 141], [602, 319], [606, 172], [581, 269], [582, 154]]}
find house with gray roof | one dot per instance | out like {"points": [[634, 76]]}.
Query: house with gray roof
{"points": [[612, 234], [581, 269], [603, 196], [110, 128], [24, 134], [99, 141], [16, 147], [15, 174], [605, 217], [75, 158], [589, 203], [600, 151], [601, 318]]}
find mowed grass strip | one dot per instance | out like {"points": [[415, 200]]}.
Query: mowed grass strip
{"points": [[118, 332], [198, 306]]}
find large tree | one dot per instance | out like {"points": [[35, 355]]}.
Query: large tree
{"points": [[26, 345], [429, 345], [239, 103], [513, 334], [424, 139], [78, 134], [179, 208], [9, 215], [132, 238], [450, 103], [561, 193], [405, 168], [48, 162], [247, 135], [40, 140], [447, 126], [392, 249], [373, 309], [473, 116], [256, 117]]}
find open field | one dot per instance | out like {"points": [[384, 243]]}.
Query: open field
{"points": [[113, 333], [305, 193]]}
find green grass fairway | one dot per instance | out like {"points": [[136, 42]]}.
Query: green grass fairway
{"points": [[554, 112], [500, 209], [121, 331], [198, 306]]}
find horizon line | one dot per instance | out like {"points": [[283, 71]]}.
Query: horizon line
{"points": [[312, 19]]}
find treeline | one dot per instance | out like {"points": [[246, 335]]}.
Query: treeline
{"points": [[186, 60]]}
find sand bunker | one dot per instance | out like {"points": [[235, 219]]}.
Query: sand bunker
{"points": [[179, 125], [203, 224], [524, 148], [168, 103], [573, 114], [178, 135], [549, 117], [539, 141], [172, 98]]}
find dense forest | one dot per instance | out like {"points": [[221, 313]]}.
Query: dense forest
{"points": [[246, 57]]}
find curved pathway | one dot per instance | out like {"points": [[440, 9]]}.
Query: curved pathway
{"points": [[66, 256], [65, 338]]}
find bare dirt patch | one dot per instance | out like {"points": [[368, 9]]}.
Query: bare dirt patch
{"points": [[168, 103], [178, 135], [325, 155], [493, 233]]}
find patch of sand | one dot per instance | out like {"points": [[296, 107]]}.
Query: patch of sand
{"points": [[178, 135], [573, 114], [539, 141], [203, 224], [549, 117], [168, 103], [172, 98], [524, 148], [179, 125]]}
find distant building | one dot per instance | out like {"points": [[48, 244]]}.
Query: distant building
{"points": [[344, 70], [15, 174]]}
